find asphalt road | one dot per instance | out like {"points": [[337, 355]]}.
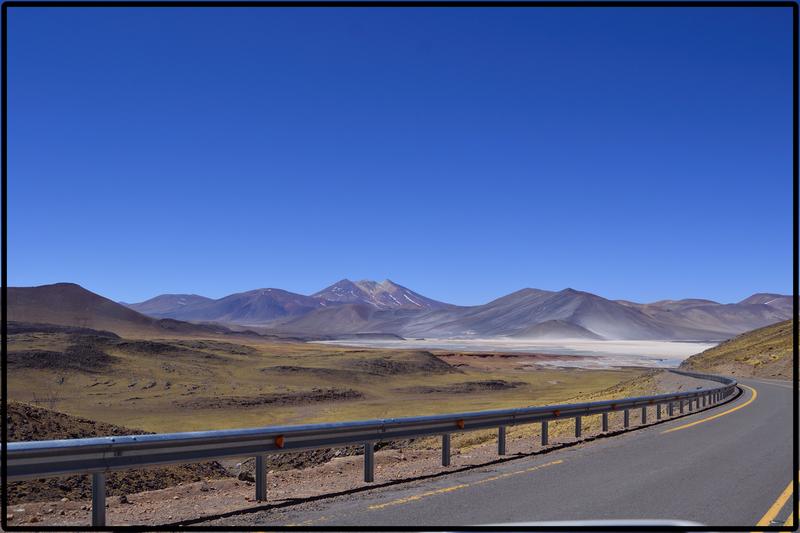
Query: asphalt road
{"points": [[723, 466]]}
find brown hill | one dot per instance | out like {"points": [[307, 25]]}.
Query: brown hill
{"points": [[69, 304], [764, 352]]}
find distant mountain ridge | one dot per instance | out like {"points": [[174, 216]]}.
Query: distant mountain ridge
{"points": [[251, 307], [167, 303], [370, 307]]}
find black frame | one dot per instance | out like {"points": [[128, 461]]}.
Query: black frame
{"points": [[395, 4]]}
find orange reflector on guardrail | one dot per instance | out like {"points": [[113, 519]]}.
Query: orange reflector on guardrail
{"points": [[279, 441]]}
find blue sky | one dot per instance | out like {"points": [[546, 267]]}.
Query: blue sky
{"points": [[466, 153]]}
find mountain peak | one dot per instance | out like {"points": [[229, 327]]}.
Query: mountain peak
{"points": [[380, 295]]}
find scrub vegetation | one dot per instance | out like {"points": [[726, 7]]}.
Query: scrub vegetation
{"points": [[764, 352]]}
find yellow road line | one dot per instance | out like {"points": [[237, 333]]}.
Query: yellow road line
{"points": [[416, 497], [776, 507], [729, 411], [790, 520]]}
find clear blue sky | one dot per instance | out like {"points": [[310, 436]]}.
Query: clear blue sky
{"points": [[465, 153]]}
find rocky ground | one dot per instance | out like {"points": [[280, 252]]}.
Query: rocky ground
{"points": [[331, 472]]}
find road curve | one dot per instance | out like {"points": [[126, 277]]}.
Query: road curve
{"points": [[725, 466]]}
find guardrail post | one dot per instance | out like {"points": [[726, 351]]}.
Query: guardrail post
{"points": [[605, 422], [577, 427], [446, 449], [658, 411], [690, 404], [626, 419], [704, 399], [261, 477], [544, 433], [501, 440], [369, 462], [644, 415], [98, 499], [680, 404], [670, 409]]}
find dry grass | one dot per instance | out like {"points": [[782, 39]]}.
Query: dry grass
{"points": [[149, 384], [764, 352]]}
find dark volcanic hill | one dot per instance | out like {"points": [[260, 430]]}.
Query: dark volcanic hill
{"points": [[383, 295], [69, 304]]}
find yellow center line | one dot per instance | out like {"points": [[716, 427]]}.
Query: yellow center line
{"points": [[776, 507], [729, 411], [790, 520], [416, 497]]}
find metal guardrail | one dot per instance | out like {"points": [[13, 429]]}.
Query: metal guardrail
{"points": [[96, 456]]}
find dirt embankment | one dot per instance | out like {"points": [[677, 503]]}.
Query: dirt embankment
{"points": [[26, 422]]}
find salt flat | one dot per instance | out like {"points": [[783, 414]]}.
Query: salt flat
{"points": [[594, 353]]}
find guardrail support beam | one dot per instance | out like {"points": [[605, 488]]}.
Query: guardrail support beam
{"points": [[670, 409], [658, 411], [261, 477], [446, 449], [644, 415], [626, 418], [577, 427], [369, 462], [98, 499], [544, 433], [604, 422], [501, 440], [680, 406]]}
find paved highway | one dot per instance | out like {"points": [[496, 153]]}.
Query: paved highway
{"points": [[731, 465]]}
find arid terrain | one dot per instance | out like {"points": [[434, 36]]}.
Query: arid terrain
{"points": [[187, 492], [765, 352], [98, 368], [185, 384]]}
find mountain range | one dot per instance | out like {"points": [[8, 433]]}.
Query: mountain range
{"points": [[367, 307], [350, 307]]}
